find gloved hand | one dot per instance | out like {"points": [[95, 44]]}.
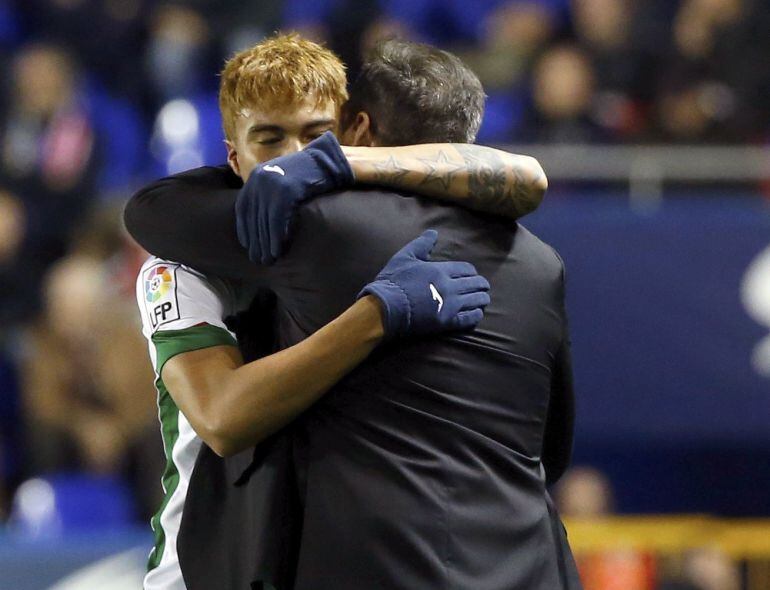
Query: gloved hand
{"points": [[266, 204], [420, 296]]}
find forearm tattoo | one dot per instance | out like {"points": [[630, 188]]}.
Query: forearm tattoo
{"points": [[390, 173], [440, 171], [490, 188], [494, 185]]}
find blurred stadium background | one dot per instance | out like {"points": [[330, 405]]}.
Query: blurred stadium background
{"points": [[651, 119]]}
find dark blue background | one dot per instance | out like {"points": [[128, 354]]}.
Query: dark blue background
{"points": [[668, 402]]}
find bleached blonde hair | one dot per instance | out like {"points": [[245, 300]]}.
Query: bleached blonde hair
{"points": [[278, 73]]}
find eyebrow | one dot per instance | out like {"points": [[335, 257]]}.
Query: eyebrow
{"points": [[320, 122], [271, 128], [279, 129]]}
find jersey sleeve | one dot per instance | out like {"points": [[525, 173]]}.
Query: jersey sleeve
{"points": [[181, 309], [199, 208]]}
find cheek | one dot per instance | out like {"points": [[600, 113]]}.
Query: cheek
{"points": [[257, 154], [246, 169], [249, 158]]}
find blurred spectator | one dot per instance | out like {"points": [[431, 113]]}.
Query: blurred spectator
{"points": [[176, 51], [87, 390], [75, 383], [62, 401], [710, 87], [104, 35], [46, 131], [563, 98], [585, 493], [47, 171], [606, 31], [710, 569], [706, 569], [513, 33]]}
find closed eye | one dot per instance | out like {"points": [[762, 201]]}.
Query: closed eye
{"points": [[318, 130]]}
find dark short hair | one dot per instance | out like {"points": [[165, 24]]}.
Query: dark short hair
{"points": [[415, 93]]}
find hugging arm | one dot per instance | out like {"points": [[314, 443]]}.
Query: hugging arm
{"points": [[473, 176], [199, 217], [232, 405], [189, 218]]}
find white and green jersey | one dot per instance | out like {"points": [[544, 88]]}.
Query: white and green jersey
{"points": [[182, 310]]}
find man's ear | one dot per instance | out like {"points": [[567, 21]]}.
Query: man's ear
{"points": [[360, 132], [232, 157]]}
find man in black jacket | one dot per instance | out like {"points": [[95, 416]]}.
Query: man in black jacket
{"points": [[426, 467]]}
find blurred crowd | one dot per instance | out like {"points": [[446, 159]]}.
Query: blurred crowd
{"points": [[103, 95], [585, 494]]}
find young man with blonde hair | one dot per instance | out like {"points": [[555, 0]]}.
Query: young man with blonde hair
{"points": [[276, 99]]}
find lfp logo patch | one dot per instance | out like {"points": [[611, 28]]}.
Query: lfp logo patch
{"points": [[160, 294], [157, 283]]}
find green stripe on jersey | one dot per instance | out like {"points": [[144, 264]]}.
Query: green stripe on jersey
{"points": [[168, 344], [169, 427]]}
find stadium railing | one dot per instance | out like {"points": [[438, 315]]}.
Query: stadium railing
{"points": [[645, 169]]}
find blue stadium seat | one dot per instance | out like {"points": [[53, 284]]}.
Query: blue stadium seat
{"points": [[187, 134], [71, 502], [122, 138]]}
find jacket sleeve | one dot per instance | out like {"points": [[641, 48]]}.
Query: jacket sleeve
{"points": [[560, 423], [190, 218]]}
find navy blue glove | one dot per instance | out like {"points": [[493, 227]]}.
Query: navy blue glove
{"points": [[266, 204], [420, 296]]}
